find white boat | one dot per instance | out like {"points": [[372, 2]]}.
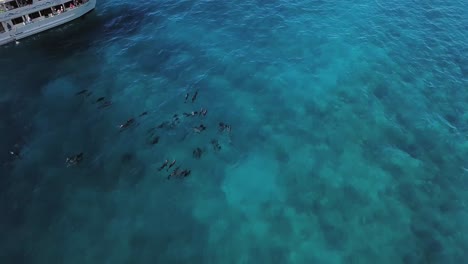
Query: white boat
{"points": [[23, 18]]}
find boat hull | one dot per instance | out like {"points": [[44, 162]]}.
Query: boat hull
{"points": [[38, 26]]}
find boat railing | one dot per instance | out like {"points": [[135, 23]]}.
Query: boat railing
{"points": [[54, 12], [12, 5], [63, 7]]}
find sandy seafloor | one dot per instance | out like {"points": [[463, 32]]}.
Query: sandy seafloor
{"points": [[348, 144]]}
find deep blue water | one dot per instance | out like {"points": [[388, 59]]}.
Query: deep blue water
{"points": [[348, 143]]}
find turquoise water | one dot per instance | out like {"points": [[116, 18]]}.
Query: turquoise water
{"points": [[348, 141]]}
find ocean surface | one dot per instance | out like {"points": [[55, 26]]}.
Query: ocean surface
{"points": [[336, 132]]}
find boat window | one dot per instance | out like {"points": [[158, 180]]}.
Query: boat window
{"points": [[58, 9], [2, 29], [34, 15], [11, 5], [24, 2], [17, 20], [46, 12], [69, 4]]}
